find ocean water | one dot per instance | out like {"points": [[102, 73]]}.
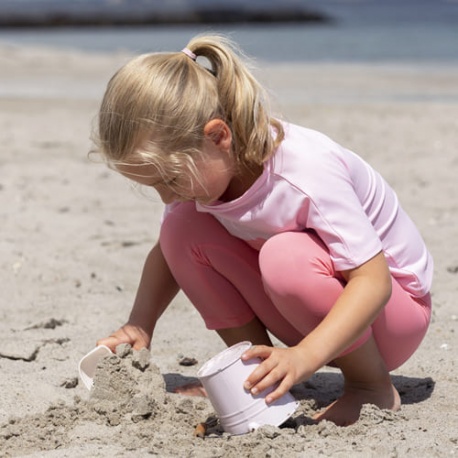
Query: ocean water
{"points": [[421, 31]]}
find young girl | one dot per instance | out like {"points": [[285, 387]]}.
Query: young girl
{"points": [[268, 227]]}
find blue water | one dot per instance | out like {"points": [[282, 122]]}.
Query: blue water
{"points": [[361, 31]]}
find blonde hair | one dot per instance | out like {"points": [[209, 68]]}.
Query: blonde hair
{"points": [[155, 108]]}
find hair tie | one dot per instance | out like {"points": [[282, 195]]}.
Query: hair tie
{"points": [[189, 53]]}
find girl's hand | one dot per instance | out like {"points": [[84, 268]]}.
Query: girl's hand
{"points": [[285, 365], [131, 334]]}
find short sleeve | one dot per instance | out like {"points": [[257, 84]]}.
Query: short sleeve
{"points": [[335, 212]]}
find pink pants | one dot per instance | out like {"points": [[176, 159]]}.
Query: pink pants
{"points": [[290, 284]]}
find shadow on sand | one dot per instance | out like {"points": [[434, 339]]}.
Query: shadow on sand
{"points": [[324, 387]]}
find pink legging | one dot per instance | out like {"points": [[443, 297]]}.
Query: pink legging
{"points": [[290, 284]]}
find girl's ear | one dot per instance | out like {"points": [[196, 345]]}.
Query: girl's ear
{"points": [[217, 131]]}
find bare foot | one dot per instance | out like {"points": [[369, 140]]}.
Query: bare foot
{"points": [[346, 410]]}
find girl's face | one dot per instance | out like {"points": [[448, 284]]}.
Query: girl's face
{"points": [[216, 170]]}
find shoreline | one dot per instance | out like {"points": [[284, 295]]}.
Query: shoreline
{"points": [[103, 13]]}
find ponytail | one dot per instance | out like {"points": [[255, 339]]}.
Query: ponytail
{"points": [[242, 99]]}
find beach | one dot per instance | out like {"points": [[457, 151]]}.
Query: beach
{"points": [[75, 235]]}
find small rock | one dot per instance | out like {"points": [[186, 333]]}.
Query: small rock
{"points": [[186, 361], [70, 383]]}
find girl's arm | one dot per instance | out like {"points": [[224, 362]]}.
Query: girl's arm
{"points": [[156, 290], [367, 291]]}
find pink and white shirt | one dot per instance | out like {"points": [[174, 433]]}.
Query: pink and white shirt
{"points": [[311, 182]]}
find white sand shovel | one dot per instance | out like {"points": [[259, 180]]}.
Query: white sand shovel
{"points": [[88, 364]]}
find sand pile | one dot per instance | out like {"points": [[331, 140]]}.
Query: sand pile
{"points": [[129, 396], [130, 408]]}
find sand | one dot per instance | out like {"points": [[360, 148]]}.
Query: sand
{"points": [[74, 236]]}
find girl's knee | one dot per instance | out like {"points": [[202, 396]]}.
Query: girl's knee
{"points": [[186, 232], [275, 258], [172, 227], [182, 225], [292, 257]]}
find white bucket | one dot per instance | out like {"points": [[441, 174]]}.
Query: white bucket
{"points": [[238, 410], [88, 364]]}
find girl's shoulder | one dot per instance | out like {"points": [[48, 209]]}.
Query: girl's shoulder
{"points": [[306, 139], [305, 150], [311, 161]]}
